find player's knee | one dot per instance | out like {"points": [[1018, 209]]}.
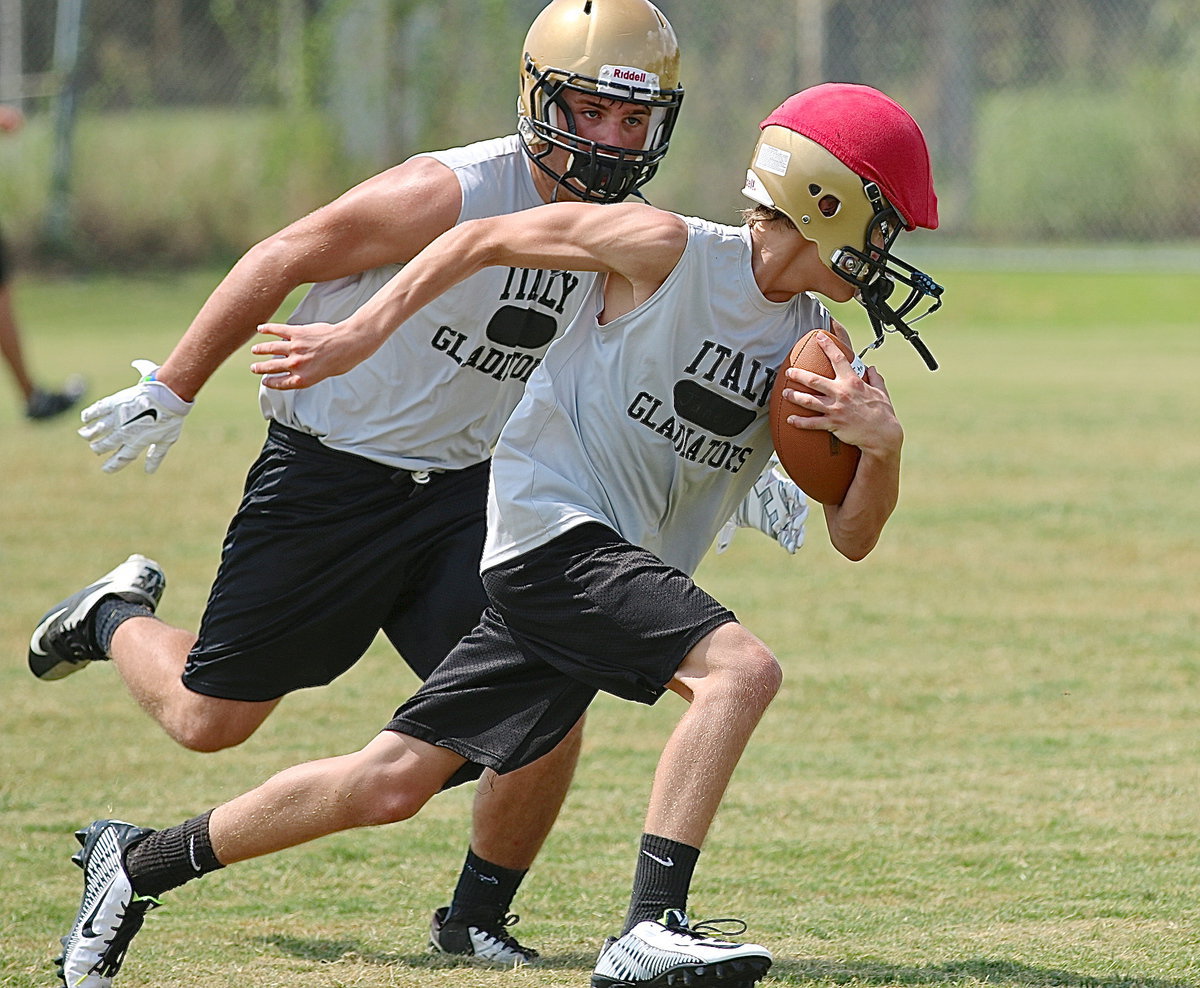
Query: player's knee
{"points": [[751, 681], [393, 807], [391, 800], [203, 723], [214, 725], [731, 662], [388, 782], [208, 736], [760, 676], [750, 672]]}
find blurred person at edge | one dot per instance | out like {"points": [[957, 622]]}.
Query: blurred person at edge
{"points": [[38, 402]]}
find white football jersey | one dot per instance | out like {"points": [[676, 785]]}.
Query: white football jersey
{"points": [[436, 394], [656, 423]]}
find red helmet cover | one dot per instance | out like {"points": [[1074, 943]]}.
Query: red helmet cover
{"points": [[873, 136]]}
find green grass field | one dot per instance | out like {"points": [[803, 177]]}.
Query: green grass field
{"points": [[982, 768]]}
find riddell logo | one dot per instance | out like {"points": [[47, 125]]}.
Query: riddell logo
{"points": [[628, 76]]}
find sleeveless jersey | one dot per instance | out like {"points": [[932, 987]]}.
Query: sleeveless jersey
{"points": [[656, 423], [436, 394]]}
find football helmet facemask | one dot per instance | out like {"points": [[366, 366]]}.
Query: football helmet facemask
{"points": [[619, 49]]}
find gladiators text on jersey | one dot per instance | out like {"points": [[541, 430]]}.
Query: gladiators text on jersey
{"points": [[513, 328], [702, 416]]}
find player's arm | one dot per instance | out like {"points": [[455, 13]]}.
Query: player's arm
{"points": [[387, 219], [858, 410], [636, 245], [384, 220]]}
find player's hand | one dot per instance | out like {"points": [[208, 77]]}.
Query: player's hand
{"points": [[854, 404], [147, 416], [775, 506], [306, 354]]}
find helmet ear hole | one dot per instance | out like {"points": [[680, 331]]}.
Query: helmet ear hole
{"points": [[829, 205]]}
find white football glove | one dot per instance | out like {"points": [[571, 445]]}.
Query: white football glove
{"points": [[775, 506], [148, 416]]}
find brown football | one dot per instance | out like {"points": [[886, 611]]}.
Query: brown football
{"points": [[821, 464]]}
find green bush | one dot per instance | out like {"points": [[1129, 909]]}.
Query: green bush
{"points": [[1062, 165], [159, 188]]}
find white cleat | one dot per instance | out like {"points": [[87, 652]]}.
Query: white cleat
{"points": [[673, 954], [62, 643]]}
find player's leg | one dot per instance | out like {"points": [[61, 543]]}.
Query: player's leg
{"points": [[304, 583], [512, 814], [729, 678], [511, 817], [150, 656], [387, 781], [496, 702], [10, 342], [112, 619], [529, 709], [645, 625], [126, 868], [38, 403]]}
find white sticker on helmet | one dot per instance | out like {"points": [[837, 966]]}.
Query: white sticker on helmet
{"points": [[617, 80], [772, 159]]}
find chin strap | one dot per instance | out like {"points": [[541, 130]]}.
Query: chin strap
{"points": [[885, 319]]}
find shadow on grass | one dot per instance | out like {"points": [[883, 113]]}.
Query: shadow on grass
{"points": [[336, 950], [787, 972]]}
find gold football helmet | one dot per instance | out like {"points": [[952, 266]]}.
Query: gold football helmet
{"points": [[621, 49], [850, 168]]}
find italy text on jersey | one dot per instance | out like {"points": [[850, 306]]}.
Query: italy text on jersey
{"points": [[516, 334]]}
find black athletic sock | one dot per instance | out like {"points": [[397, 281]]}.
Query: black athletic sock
{"points": [[661, 880], [484, 890], [110, 614], [167, 858]]}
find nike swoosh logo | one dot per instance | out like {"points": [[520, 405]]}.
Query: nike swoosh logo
{"points": [[40, 630], [192, 855], [665, 862], [152, 412], [480, 876], [86, 929]]}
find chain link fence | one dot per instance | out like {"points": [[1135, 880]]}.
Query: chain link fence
{"points": [[184, 130]]}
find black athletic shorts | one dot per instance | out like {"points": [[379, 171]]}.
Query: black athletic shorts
{"points": [[326, 549], [587, 611]]}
